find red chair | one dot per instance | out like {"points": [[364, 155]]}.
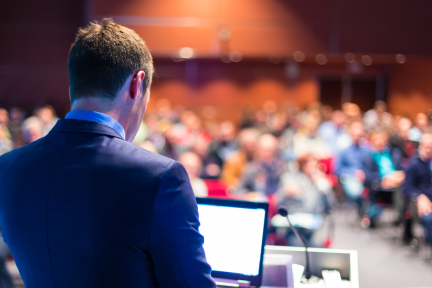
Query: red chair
{"points": [[327, 166], [272, 237], [216, 188], [272, 205]]}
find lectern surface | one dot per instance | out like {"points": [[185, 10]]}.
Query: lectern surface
{"points": [[345, 261]]}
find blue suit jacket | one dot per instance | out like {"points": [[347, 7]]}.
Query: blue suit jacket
{"points": [[418, 179], [83, 208]]}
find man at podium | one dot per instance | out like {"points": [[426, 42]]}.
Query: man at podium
{"points": [[83, 207]]}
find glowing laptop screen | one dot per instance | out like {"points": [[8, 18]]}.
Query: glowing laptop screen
{"points": [[233, 237]]}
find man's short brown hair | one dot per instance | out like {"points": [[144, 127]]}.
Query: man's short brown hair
{"points": [[103, 56]]}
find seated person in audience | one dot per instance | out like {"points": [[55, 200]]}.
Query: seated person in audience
{"points": [[378, 118], [187, 132], [225, 142], [149, 146], [6, 144], [192, 163], [349, 164], [383, 172], [262, 175], [418, 182], [236, 161], [333, 132], [400, 140], [326, 112], [307, 141], [141, 134], [279, 123], [420, 124], [211, 163], [15, 126], [48, 117], [169, 149], [4, 123], [352, 112], [261, 121], [306, 191], [165, 110], [32, 129], [150, 130]]}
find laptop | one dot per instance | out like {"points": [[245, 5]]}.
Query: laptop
{"points": [[234, 238]]}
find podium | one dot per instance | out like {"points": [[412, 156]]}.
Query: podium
{"points": [[345, 261]]}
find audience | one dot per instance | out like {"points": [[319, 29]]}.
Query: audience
{"points": [[279, 153], [224, 144], [211, 162], [4, 123], [418, 184], [193, 165], [16, 119], [378, 118], [262, 175], [307, 141], [349, 165], [420, 123], [399, 139], [236, 161], [6, 280], [48, 117], [149, 146], [333, 132], [304, 191], [352, 112], [32, 129], [384, 172], [6, 144], [188, 131]]}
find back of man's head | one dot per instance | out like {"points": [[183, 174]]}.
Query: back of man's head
{"points": [[103, 56], [380, 106]]}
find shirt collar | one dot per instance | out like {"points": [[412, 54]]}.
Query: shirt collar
{"points": [[386, 150], [97, 117]]}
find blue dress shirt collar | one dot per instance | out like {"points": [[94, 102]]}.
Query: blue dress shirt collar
{"points": [[97, 117]]}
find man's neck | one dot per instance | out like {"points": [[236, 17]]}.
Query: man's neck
{"points": [[110, 108], [97, 105]]}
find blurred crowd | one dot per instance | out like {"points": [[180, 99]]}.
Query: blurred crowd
{"points": [[307, 160]]}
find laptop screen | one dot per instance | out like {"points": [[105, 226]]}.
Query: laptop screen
{"points": [[234, 236]]}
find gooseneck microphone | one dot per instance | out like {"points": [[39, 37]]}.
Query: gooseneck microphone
{"points": [[284, 212]]}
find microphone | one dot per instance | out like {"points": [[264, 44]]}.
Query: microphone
{"points": [[284, 213]]}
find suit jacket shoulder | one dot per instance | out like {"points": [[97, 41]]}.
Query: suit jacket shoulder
{"points": [[91, 210]]}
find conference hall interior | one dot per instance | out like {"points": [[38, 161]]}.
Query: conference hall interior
{"points": [[323, 107]]}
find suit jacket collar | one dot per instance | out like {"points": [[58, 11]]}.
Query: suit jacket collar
{"points": [[82, 126]]}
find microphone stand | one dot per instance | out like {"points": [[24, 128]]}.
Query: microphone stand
{"points": [[284, 212]]}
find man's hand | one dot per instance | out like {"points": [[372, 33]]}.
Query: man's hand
{"points": [[398, 177], [394, 180], [360, 175], [292, 190], [388, 183], [424, 205]]}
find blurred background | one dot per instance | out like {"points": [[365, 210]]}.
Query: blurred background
{"points": [[265, 101], [231, 54]]}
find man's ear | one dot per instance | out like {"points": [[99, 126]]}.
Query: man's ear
{"points": [[70, 97], [137, 81]]}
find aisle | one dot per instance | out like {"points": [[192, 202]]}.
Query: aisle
{"points": [[382, 263]]}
